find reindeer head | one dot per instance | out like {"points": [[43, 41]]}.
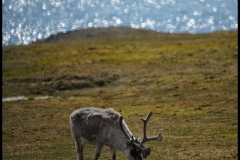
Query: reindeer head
{"points": [[137, 144]]}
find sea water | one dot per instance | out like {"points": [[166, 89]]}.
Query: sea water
{"points": [[24, 21]]}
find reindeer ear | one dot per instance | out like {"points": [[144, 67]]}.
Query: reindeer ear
{"points": [[148, 151]]}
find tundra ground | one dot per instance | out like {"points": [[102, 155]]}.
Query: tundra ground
{"points": [[188, 81]]}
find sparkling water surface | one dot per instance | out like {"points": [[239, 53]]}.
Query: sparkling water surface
{"points": [[24, 21]]}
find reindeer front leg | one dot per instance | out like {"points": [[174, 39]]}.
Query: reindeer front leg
{"points": [[98, 150], [113, 153]]}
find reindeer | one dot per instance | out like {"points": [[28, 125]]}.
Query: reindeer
{"points": [[107, 127]]}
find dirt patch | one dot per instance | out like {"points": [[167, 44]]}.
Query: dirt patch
{"points": [[61, 83]]}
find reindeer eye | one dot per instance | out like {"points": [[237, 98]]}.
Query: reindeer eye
{"points": [[128, 143]]}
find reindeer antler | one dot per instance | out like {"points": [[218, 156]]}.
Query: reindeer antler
{"points": [[139, 144], [145, 138], [135, 142], [120, 121]]}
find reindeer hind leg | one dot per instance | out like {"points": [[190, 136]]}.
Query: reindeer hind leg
{"points": [[98, 150], [79, 147]]}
